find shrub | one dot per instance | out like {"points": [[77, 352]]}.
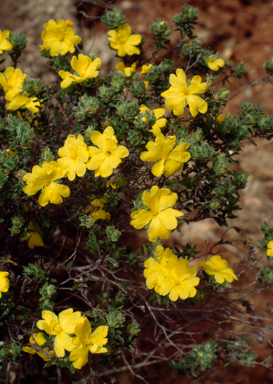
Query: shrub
{"points": [[87, 163]]}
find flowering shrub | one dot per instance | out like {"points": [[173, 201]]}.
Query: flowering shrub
{"points": [[87, 163]]}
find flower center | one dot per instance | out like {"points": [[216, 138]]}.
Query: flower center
{"points": [[9, 85], [46, 182], [211, 59], [217, 268], [86, 341], [58, 329], [185, 91], [82, 74], [72, 156], [60, 37], [106, 152], [164, 157], [177, 282], [154, 212], [122, 40]]}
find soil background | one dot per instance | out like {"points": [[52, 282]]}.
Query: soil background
{"points": [[238, 30]]}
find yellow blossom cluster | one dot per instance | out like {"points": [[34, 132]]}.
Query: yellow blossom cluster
{"points": [[169, 276], [100, 213], [75, 158], [168, 159], [59, 37], [158, 215], [128, 71], [123, 41], [85, 69], [69, 331], [12, 81], [218, 267], [34, 238], [182, 93]]}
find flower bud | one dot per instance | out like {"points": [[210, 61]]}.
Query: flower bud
{"points": [[127, 110], [46, 155], [87, 107], [133, 329], [112, 233], [17, 222], [220, 164], [113, 19]]}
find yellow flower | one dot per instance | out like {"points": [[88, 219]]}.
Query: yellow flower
{"points": [[20, 101], [100, 213], [146, 84], [5, 45], [44, 178], [181, 94], [107, 154], [183, 277], [220, 118], [86, 341], [10, 152], [4, 282], [154, 271], [59, 37], [110, 184], [33, 237], [12, 81], [60, 326], [160, 123], [146, 68], [40, 340], [168, 160], [122, 41], [269, 251], [84, 66], [169, 276], [217, 267], [74, 154], [159, 215], [215, 65], [128, 71]]}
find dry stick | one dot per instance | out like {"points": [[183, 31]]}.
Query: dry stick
{"points": [[131, 369], [125, 368], [7, 381], [99, 3], [264, 80], [59, 374], [160, 326]]}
